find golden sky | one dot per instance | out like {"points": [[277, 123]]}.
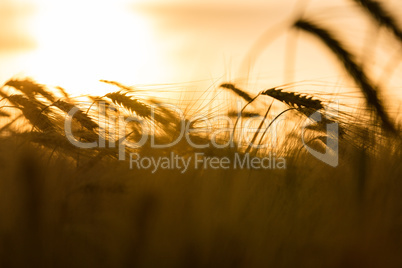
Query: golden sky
{"points": [[75, 43]]}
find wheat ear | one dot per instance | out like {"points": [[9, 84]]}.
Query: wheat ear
{"points": [[4, 114], [378, 12], [80, 116], [133, 105], [33, 112], [117, 84], [293, 99], [245, 96], [354, 70], [30, 88], [63, 92], [305, 105]]}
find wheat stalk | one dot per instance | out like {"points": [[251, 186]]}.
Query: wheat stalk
{"points": [[378, 12], [9, 124], [32, 111], [293, 99], [80, 116], [165, 115], [30, 88], [244, 95], [4, 114], [19, 99], [304, 104], [243, 114], [63, 92], [2, 94], [117, 84], [133, 105], [354, 70]]}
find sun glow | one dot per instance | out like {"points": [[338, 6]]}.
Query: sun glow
{"points": [[81, 42]]}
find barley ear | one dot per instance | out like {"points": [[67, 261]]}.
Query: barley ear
{"points": [[354, 70], [30, 88], [79, 115], [133, 105], [381, 16], [117, 84], [244, 95], [293, 99]]}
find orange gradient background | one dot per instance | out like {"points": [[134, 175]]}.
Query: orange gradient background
{"points": [[75, 43]]}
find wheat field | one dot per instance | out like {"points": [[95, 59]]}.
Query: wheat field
{"points": [[84, 184]]}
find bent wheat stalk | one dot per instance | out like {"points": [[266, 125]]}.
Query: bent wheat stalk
{"points": [[32, 111], [4, 114], [245, 96], [30, 88], [259, 128], [383, 18], [117, 84], [354, 70], [293, 99], [305, 105], [132, 105], [80, 116]]}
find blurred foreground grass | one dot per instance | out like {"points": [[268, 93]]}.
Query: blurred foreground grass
{"points": [[54, 214]]}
